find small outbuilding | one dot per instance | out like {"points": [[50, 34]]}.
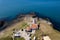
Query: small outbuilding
{"points": [[46, 38]]}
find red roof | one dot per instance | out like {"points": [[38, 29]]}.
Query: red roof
{"points": [[34, 26], [28, 28]]}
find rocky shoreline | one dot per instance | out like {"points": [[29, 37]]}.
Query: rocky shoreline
{"points": [[4, 24], [19, 23]]}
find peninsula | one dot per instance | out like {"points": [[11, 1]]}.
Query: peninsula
{"points": [[29, 27]]}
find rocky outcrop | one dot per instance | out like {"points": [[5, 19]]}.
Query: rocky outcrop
{"points": [[2, 23]]}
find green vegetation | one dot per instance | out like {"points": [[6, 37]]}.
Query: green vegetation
{"points": [[38, 34], [38, 22], [24, 25], [6, 38], [19, 38], [10, 38], [54, 35], [43, 30]]}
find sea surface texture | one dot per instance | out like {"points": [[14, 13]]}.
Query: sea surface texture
{"points": [[46, 8]]}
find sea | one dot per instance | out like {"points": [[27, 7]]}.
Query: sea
{"points": [[44, 8]]}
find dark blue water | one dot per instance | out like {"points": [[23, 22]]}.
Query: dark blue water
{"points": [[46, 8]]}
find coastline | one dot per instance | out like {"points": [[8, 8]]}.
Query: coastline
{"points": [[17, 24], [17, 17], [56, 25]]}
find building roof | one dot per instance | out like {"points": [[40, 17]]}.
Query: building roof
{"points": [[34, 26], [28, 28], [17, 34]]}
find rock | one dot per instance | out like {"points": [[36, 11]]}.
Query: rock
{"points": [[2, 23]]}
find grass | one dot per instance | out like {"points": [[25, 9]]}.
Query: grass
{"points": [[24, 25], [47, 30], [19, 38], [9, 38], [8, 31], [6, 38], [44, 29], [55, 35], [38, 34]]}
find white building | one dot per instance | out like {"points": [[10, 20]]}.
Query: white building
{"points": [[46, 38], [17, 34]]}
